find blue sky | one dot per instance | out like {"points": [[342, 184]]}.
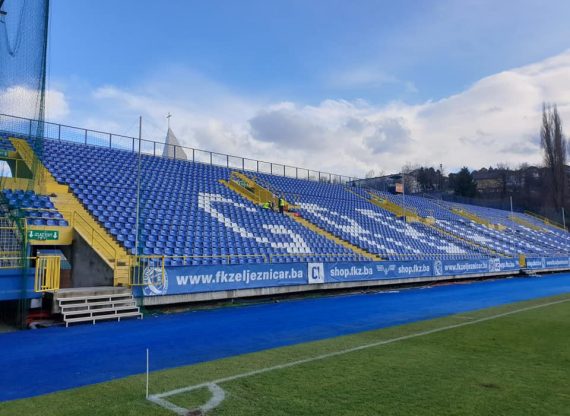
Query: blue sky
{"points": [[307, 50], [372, 79]]}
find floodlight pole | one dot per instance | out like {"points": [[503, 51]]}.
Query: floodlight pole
{"points": [[138, 190], [404, 194], [511, 198], [564, 219]]}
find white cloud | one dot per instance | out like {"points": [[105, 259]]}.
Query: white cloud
{"points": [[495, 120], [22, 101]]}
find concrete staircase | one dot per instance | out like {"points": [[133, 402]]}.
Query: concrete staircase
{"points": [[249, 188], [410, 214], [526, 223], [546, 221], [258, 194], [413, 216], [112, 253], [470, 216], [357, 250], [81, 305], [466, 241]]}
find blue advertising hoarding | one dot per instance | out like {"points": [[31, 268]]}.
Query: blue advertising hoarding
{"points": [[384, 270], [348, 272], [196, 279], [545, 263]]}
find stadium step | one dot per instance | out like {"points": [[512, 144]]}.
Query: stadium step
{"points": [[112, 253], [411, 215], [526, 223], [96, 304], [545, 220], [470, 243], [472, 217], [66, 302], [79, 306], [249, 188], [357, 250], [243, 191], [94, 319]]}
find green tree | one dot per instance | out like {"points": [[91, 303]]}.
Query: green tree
{"points": [[464, 185]]}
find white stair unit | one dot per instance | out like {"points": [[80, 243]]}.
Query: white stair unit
{"points": [[94, 307]]}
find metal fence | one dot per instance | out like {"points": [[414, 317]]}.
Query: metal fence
{"points": [[24, 127]]}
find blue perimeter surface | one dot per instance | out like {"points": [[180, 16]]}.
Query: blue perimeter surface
{"points": [[44, 361]]}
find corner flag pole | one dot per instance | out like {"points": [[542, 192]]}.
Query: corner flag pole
{"points": [[147, 371]]}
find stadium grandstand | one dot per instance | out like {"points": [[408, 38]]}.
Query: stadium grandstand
{"points": [[166, 224], [160, 279]]}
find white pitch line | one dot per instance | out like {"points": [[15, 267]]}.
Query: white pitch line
{"points": [[218, 396], [214, 384]]}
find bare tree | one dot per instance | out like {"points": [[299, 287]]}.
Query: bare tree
{"points": [[408, 179], [553, 145], [503, 174]]}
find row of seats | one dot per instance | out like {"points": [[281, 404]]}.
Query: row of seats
{"points": [[511, 241], [184, 210], [6, 144], [37, 209], [347, 214]]}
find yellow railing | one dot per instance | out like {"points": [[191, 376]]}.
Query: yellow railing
{"points": [[525, 223], [94, 238], [545, 220], [394, 208], [11, 261], [468, 241], [47, 274], [470, 216], [76, 215], [253, 190], [242, 190], [147, 271]]}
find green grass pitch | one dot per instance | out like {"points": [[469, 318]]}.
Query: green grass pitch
{"points": [[512, 365]]}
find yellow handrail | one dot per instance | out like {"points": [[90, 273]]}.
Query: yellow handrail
{"points": [[545, 220], [15, 259], [90, 234]]}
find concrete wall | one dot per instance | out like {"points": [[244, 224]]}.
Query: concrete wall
{"points": [[88, 268]]}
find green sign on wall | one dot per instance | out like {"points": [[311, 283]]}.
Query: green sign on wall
{"points": [[43, 235]]}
